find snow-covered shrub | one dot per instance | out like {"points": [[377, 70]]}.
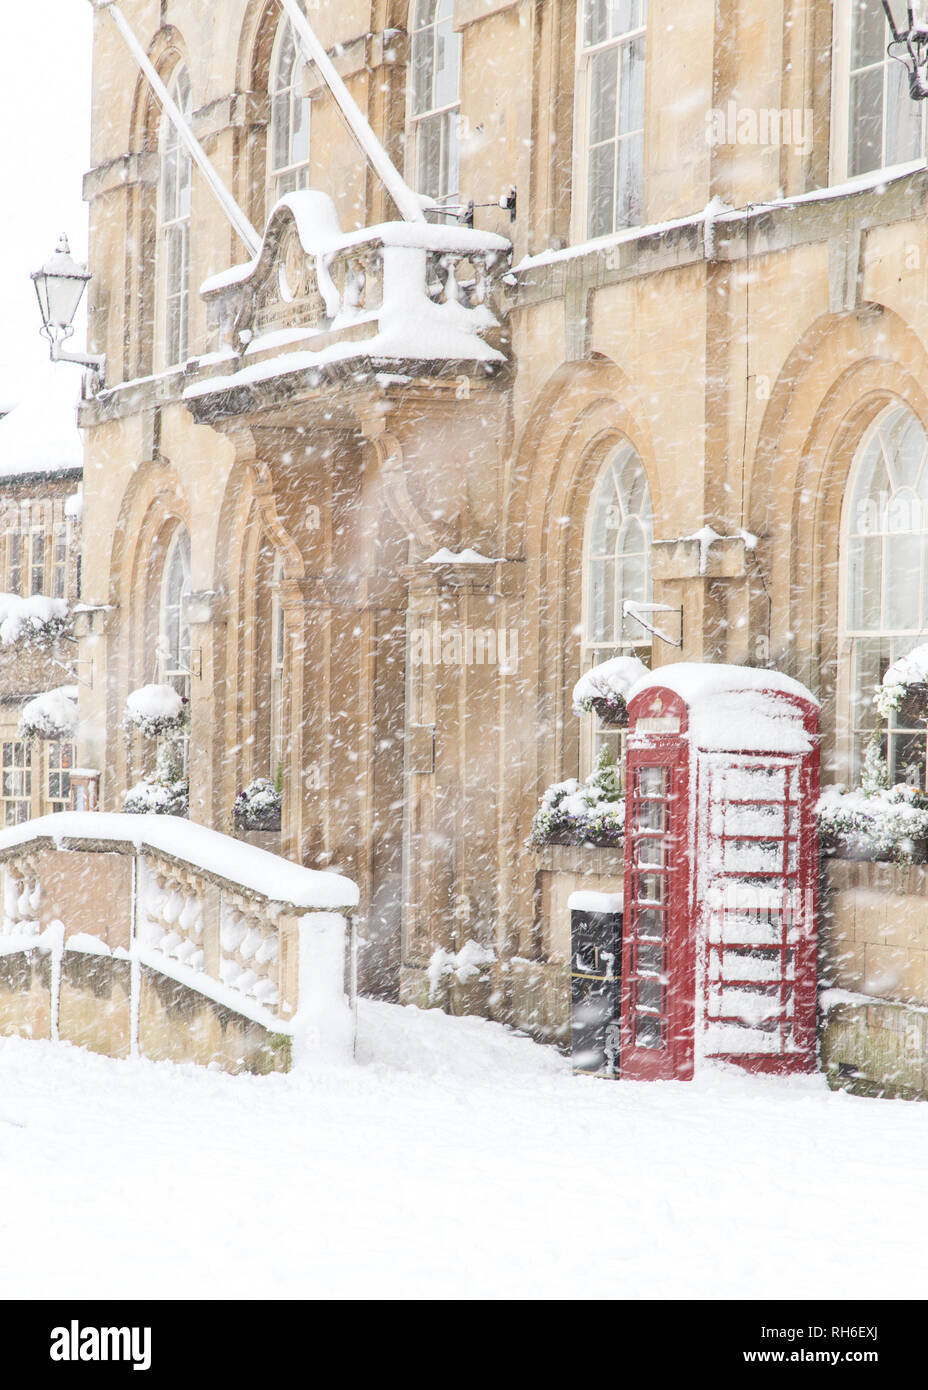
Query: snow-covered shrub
{"points": [[604, 688], [149, 797], [463, 965], [50, 715], [156, 710], [886, 823], [166, 791], [907, 672], [579, 813], [258, 806], [37, 621]]}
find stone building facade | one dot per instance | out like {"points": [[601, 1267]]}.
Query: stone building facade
{"points": [[691, 370], [40, 557]]}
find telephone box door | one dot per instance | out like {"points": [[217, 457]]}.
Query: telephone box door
{"points": [[658, 956]]}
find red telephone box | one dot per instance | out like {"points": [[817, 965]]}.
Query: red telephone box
{"points": [[721, 872]]}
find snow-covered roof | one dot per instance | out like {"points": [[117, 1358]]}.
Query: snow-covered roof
{"points": [[40, 434], [274, 878], [734, 708]]}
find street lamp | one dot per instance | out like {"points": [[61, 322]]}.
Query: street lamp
{"points": [[59, 286], [909, 43]]}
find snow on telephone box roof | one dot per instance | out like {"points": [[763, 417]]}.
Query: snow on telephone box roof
{"points": [[731, 709]]}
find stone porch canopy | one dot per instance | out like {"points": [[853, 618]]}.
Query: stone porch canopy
{"points": [[317, 304]]}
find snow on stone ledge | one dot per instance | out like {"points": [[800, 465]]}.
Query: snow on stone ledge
{"points": [[734, 708], [585, 900], [272, 877], [461, 557]]}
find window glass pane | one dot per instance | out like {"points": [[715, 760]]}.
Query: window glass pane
{"points": [[870, 35], [429, 151], [903, 117], [864, 582], [422, 54], [447, 62], [596, 21], [603, 80], [601, 191], [631, 107], [865, 132], [628, 202], [901, 585]]}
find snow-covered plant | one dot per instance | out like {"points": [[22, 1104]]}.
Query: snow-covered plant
{"points": [[909, 670], [882, 824], [156, 710], [874, 776], [166, 791], [36, 622], [463, 965], [52, 715], [149, 797], [578, 813], [605, 688], [257, 807]]}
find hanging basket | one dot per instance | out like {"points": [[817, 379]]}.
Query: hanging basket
{"points": [[613, 712]]}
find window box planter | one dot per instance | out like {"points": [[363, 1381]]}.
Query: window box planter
{"points": [[257, 808]]}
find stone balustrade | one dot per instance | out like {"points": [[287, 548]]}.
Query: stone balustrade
{"points": [[146, 935], [317, 298]]}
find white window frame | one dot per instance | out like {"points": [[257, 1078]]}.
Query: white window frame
{"points": [[592, 733], [414, 120], [174, 287], [294, 173], [839, 153], [278, 657], [581, 143]]}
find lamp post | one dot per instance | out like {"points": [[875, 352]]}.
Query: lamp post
{"points": [[909, 43], [59, 286]]}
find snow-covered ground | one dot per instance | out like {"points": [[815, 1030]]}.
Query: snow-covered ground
{"points": [[456, 1160]]}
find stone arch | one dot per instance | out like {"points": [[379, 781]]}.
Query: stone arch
{"points": [[839, 376], [581, 414]]}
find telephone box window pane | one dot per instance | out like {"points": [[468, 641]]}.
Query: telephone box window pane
{"points": [[650, 923], [652, 781], [651, 853], [650, 816], [650, 994], [647, 1031], [651, 888], [651, 959]]}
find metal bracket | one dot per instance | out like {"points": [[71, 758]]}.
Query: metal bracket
{"points": [[72, 669], [631, 609]]}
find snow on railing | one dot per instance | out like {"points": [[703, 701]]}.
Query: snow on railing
{"points": [[263, 937], [314, 296]]}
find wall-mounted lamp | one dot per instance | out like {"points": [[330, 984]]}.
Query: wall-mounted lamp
{"points": [[59, 286], [909, 42]]}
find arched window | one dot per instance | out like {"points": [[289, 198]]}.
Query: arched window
{"points": [[435, 98], [617, 567], [611, 89], [174, 632], [885, 607], [288, 147], [174, 220]]}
